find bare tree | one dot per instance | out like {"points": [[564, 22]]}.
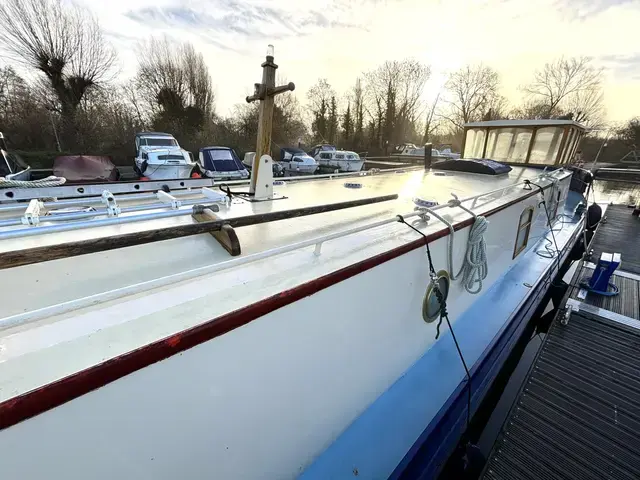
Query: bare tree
{"points": [[319, 97], [473, 91], [393, 91], [62, 41], [587, 107], [568, 85], [629, 134], [431, 122], [358, 114], [174, 81]]}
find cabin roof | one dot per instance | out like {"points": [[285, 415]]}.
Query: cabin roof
{"points": [[153, 134], [214, 147], [525, 123]]}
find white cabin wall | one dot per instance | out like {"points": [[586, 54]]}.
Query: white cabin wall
{"points": [[265, 399]]}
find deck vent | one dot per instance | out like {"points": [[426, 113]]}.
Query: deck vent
{"points": [[353, 185]]}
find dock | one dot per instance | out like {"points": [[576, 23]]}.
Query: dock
{"points": [[577, 415]]}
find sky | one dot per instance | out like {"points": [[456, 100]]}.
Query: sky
{"points": [[340, 39]]}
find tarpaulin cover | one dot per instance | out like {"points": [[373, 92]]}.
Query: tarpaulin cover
{"points": [[85, 168]]}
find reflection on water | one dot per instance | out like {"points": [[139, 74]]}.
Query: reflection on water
{"points": [[616, 192]]}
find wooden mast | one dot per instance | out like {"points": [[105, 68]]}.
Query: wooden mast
{"points": [[265, 92]]}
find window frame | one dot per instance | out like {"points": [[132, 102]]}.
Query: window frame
{"points": [[521, 226]]}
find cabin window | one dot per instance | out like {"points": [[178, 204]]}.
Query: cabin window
{"points": [[546, 145], [564, 154], [571, 148], [499, 144], [326, 156], [340, 156], [521, 143], [524, 227], [508, 144], [474, 143]]}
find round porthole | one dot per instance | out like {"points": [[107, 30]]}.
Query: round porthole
{"points": [[431, 305]]}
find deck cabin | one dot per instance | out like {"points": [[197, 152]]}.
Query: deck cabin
{"points": [[532, 142]]}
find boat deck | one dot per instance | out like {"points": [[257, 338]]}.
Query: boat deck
{"points": [[577, 415]]}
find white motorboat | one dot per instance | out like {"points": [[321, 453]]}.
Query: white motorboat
{"points": [[331, 159], [158, 157], [411, 150], [296, 161]]}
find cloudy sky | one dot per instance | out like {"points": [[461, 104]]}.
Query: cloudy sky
{"points": [[339, 39]]}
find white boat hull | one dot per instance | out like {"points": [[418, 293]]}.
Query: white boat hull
{"points": [[167, 172], [306, 356], [302, 169], [343, 165]]}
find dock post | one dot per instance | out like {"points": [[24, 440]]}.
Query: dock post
{"points": [[427, 155], [265, 92]]}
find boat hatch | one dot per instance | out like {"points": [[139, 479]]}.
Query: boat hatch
{"points": [[474, 165]]}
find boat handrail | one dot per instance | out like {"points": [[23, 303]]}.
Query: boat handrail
{"points": [[24, 317], [178, 187]]}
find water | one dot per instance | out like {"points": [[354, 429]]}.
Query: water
{"points": [[616, 192]]}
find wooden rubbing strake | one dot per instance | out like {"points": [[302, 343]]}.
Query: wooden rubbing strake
{"points": [[226, 236], [27, 256]]}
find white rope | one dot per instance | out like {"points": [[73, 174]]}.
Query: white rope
{"points": [[51, 181], [474, 267]]}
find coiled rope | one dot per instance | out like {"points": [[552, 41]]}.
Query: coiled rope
{"points": [[474, 268], [51, 181]]}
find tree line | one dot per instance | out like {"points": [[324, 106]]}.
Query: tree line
{"points": [[73, 103]]}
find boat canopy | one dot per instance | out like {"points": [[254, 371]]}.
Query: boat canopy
{"points": [[536, 142], [220, 159], [286, 153]]}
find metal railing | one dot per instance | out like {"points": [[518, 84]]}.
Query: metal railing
{"points": [[134, 289]]}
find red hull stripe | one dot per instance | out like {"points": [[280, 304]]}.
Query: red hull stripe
{"points": [[54, 394]]}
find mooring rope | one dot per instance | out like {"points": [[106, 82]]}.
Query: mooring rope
{"points": [[474, 268], [51, 181]]}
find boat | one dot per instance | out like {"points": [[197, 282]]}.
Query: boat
{"points": [[409, 150], [330, 159], [307, 323], [159, 156], [296, 161], [85, 168], [12, 166], [221, 163], [276, 168], [323, 147]]}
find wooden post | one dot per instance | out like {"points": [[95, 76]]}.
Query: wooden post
{"points": [[265, 92]]}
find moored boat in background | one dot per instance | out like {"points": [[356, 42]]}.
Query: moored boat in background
{"points": [[221, 163], [159, 156], [296, 161]]}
